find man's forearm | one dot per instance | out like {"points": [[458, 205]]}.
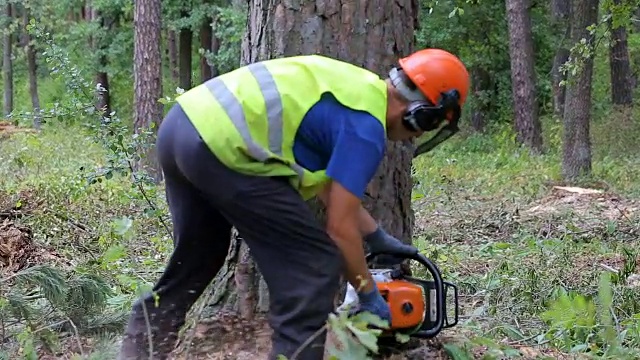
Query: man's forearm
{"points": [[366, 223], [349, 242]]}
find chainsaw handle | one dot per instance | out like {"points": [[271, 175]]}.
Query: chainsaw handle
{"points": [[438, 282]]}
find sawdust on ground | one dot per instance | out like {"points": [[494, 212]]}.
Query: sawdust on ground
{"points": [[7, 129], [585, 203], [487, 220]]}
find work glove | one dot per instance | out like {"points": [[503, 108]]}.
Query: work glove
{"points": [[374, 303], [381, 242]]}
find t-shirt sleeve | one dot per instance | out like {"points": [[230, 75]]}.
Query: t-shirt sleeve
{"points": [[359, 148]]}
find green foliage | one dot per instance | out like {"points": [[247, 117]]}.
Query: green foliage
{"points": [[477, 32], [356, 336], [546, 285]]}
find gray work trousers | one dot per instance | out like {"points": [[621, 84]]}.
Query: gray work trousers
{"points": [[300, 263]]}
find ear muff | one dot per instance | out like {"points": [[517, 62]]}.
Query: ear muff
{"points": [[448, 110], [424, 116]]}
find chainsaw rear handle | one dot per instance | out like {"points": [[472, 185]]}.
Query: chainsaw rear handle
{"points": [[439, 285]]}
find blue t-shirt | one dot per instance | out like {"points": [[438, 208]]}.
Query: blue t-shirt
{"points": [[349, 144]]}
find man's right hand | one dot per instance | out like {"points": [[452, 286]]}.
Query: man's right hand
{"points": [[373, 302]]}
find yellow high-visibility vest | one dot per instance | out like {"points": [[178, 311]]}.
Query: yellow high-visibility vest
{"points": [[249, 117]]}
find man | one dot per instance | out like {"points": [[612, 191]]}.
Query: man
{"points": [[245, 149]]}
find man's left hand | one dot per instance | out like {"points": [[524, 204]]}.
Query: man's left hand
{"points": [[381, 242]]}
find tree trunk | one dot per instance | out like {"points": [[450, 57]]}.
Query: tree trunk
{"points": [[7, 63], [147, 74], [32, 71], [480, 87], [186, 37], [215, 47], [102, 77], [206, 41], [561, 11], [371, 34], [104, 100], [527, 122], [173, 55], [621, 76], [576, 159]]}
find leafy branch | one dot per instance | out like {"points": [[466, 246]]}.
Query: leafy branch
{"points": [[109, 131]]}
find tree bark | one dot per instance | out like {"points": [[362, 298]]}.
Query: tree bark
{"points": [[620, 66], [371, 34], [215, 47], [102, 77], [173, 55], [7, 63], [527, 122], [480, 87], [561, 11], [576, 159], [206, 42], [147, 73], [29, 49], [184, 45]]}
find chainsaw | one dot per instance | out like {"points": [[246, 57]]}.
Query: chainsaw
{"points": [[418, 306]]}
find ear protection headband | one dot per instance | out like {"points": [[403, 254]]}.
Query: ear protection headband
{"points": [[422, 115]]}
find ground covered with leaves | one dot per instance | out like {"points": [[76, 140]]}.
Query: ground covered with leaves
{"points": [[545, 269]]}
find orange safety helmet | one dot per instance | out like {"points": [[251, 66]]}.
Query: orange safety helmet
{"points": [[441, 78], [436, 71]]}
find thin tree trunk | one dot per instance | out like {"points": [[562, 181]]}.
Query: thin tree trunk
{"points": [[7, 63], [215, 47], [32, 71], [173, 55], [620, 67], [527, 123], [206, 40], [561, 12], [103, 101], [480, 86], [186, 37], [576, 159]]}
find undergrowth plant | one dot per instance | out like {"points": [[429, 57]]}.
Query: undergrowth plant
{"points": [[45, 298]]}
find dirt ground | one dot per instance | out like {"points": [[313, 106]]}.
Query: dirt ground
{"points": [[249, 340], [18, 251], [244, 339], [7, 129]]}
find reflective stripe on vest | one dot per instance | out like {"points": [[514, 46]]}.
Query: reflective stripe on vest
{"points": [[273, 103]]}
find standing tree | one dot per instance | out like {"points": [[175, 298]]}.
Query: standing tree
{"points": [[527, 122], [576, 159], [147, 73], [30, 52], [7, 62], [561, 10], [371, 34], [185, 49], [620, 66]]}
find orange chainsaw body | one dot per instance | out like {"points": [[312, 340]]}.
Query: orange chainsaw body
{"points": [[407, 302]]}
